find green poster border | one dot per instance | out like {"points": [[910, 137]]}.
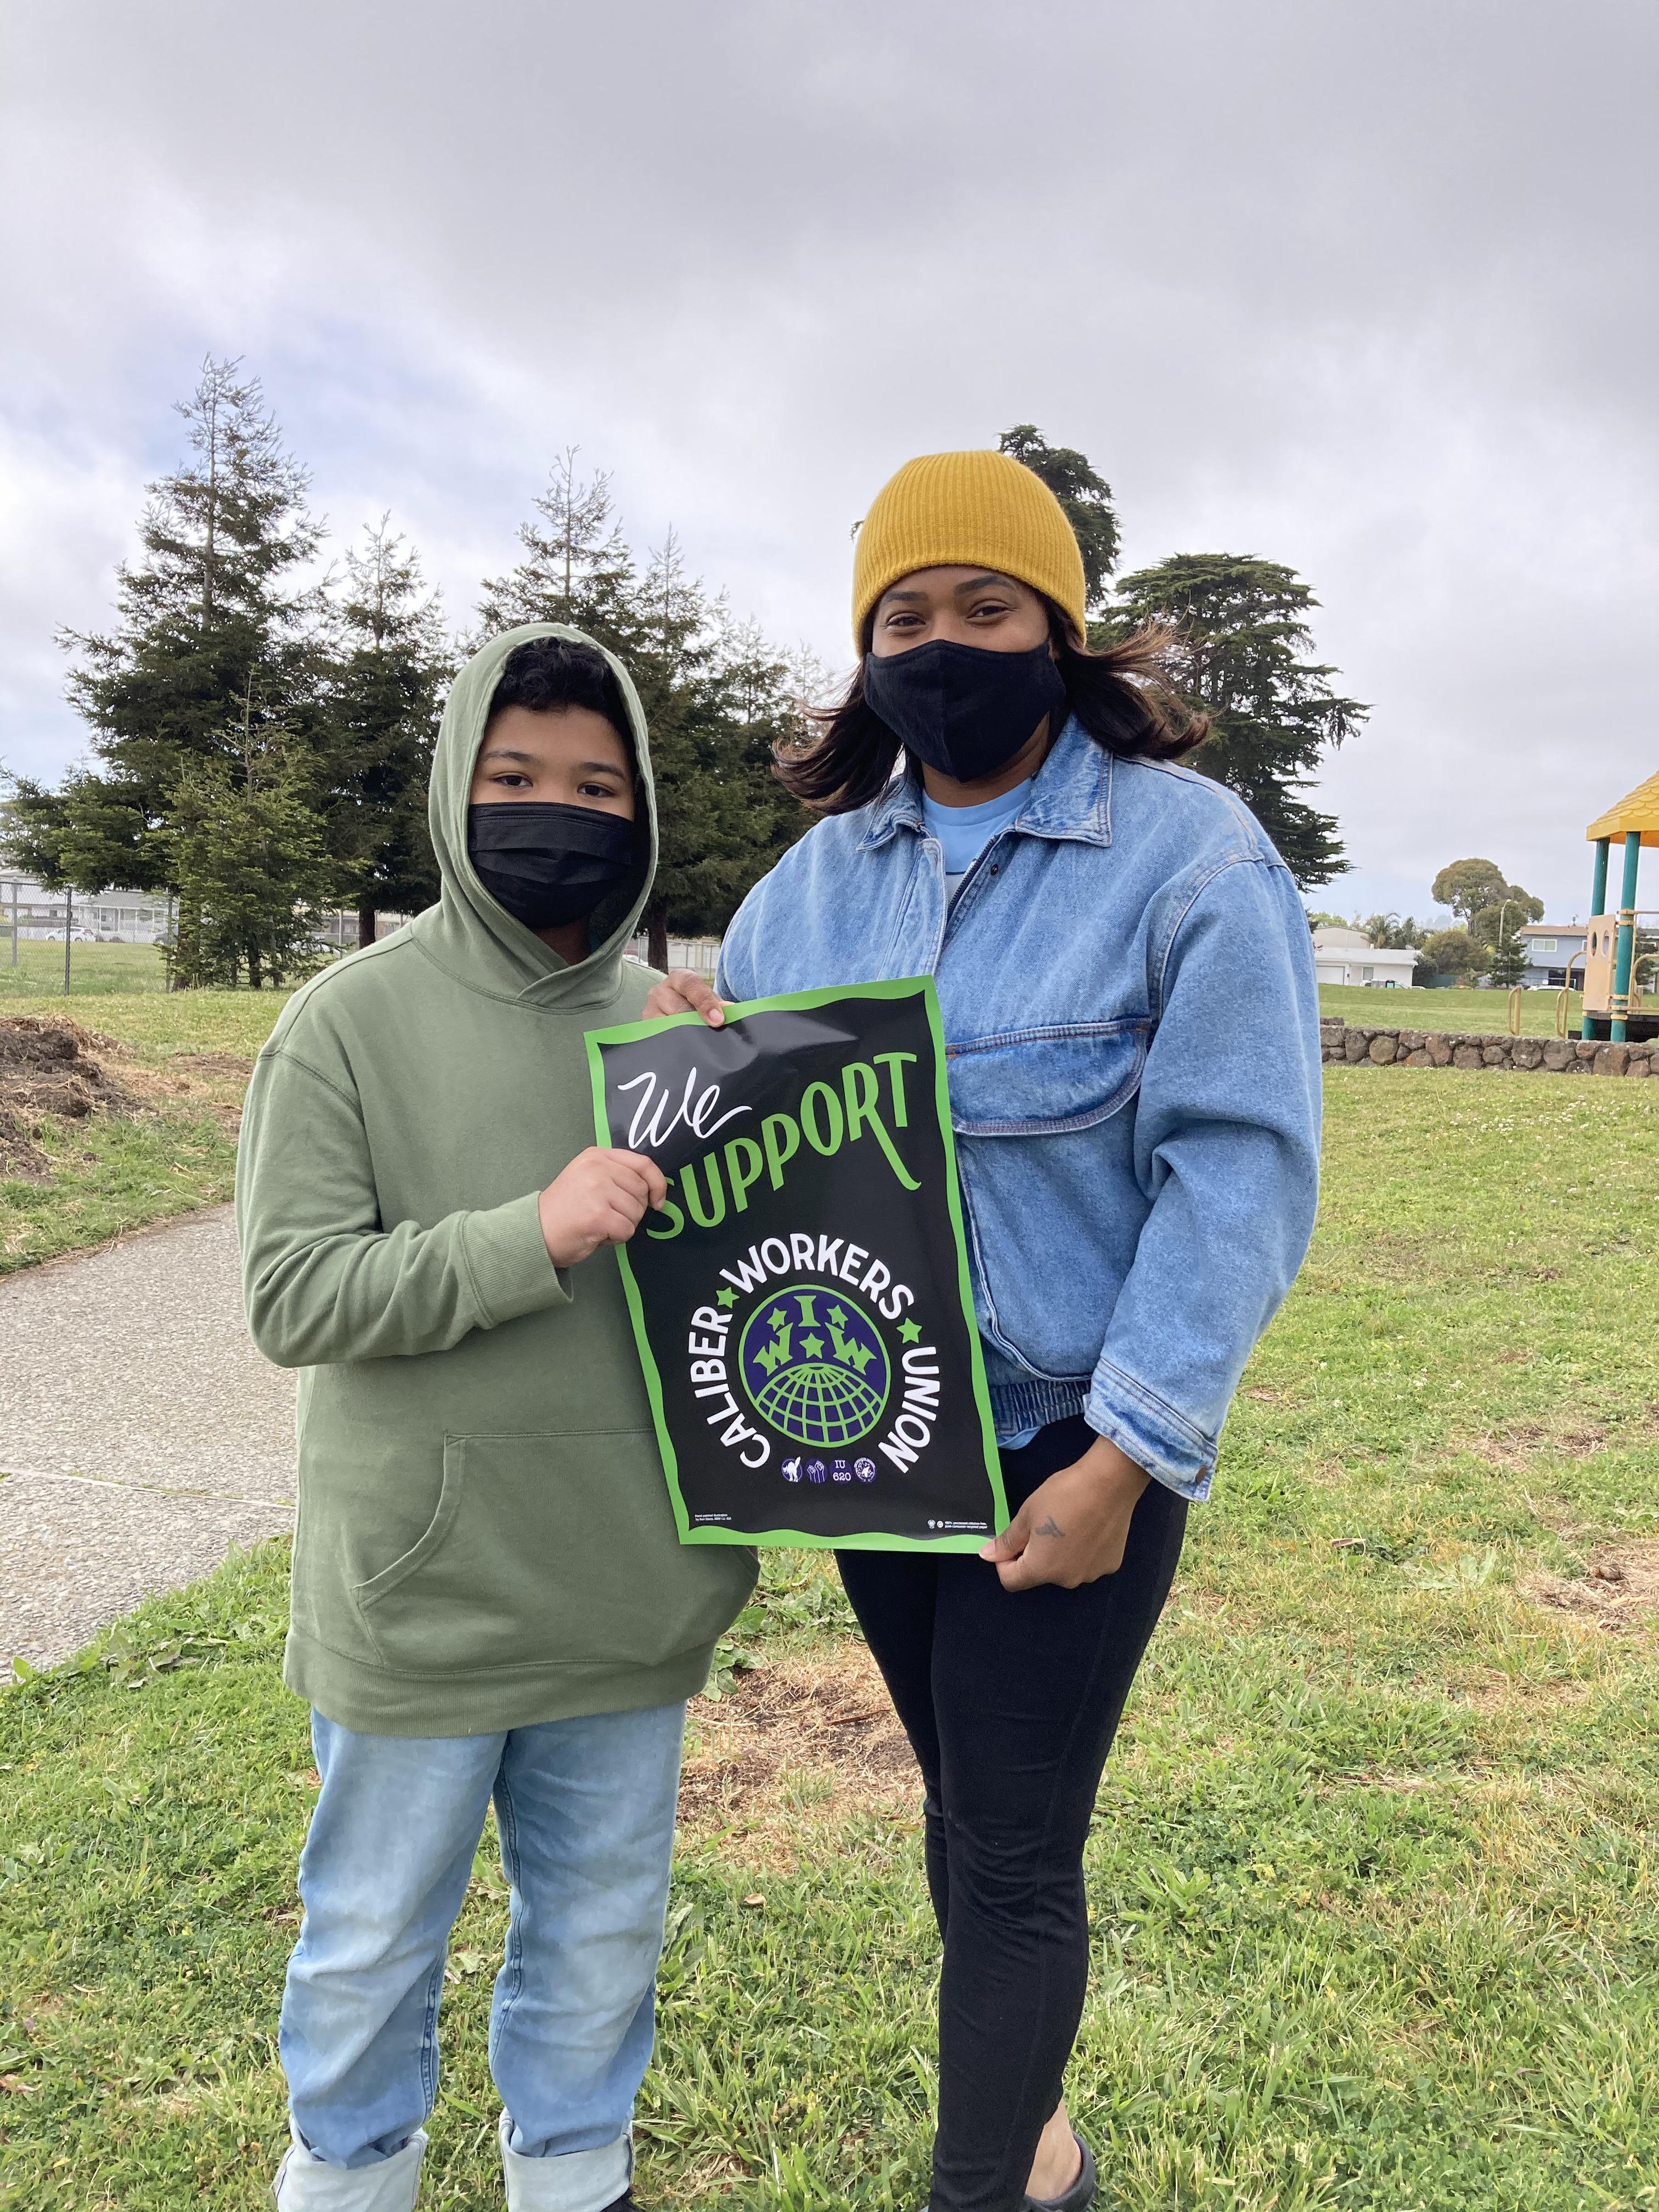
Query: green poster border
{"points": [[904, 986]]}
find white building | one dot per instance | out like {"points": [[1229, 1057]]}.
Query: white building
{"points": [[112, 917], [1347, 955]]}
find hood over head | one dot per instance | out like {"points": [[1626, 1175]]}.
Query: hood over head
{"points": [[469, 933]]}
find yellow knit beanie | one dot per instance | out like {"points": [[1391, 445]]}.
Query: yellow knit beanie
{"points": [[975, 509]]}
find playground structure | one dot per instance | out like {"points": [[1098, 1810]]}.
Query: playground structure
{"points": [[1613, 993]]}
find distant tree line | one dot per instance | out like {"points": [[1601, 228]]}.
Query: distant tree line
{"points": [[261, 736], [1486, 941]]}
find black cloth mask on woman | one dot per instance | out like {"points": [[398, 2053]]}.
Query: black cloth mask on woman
{"points": [[963, 710], [545, 863]]}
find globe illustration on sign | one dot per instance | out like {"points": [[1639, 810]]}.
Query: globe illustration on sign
{"points": [[815, 1367]]}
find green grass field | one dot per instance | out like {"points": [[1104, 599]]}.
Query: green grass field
{"points": [[1373, 1880], [105, 971], [111, 1177], [1479, 1011]]}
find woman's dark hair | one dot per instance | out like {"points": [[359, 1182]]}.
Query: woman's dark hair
{"points": [[1121, 696], [551, 672]]}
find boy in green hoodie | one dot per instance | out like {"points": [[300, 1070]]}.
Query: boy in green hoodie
{"points": [[489, 1600]]}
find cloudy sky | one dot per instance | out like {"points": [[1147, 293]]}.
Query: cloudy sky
{"points": [[1364, 286]]}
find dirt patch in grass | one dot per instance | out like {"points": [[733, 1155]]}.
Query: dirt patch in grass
{"points": [[1517, 1445], [1620, 1590], [213, 1080], [810, 1736], [226, 1064], [47, 1069]]}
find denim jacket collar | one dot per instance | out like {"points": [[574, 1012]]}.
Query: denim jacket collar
{"points": [[1071, 797]]}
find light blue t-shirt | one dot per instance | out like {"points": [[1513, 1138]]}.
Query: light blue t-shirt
{"points": [[965, 831]]}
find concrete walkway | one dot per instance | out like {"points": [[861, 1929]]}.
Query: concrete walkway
{"points": [[140, 1434]]}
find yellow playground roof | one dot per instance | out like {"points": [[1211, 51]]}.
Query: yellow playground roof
{"points": [[1639, 810]]}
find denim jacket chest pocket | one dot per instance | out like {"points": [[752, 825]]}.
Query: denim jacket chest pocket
{"points": [[1045, 1082]]}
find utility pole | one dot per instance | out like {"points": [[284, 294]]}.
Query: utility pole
{"points": [[69, 918]]}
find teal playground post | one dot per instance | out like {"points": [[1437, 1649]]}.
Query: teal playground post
{"points": [[1613, 1006], [1627, 942]]}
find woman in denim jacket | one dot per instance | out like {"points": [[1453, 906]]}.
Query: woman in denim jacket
{"points": [[1126, 982]]}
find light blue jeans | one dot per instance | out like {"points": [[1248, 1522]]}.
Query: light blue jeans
{"points": [[585, 1811]]}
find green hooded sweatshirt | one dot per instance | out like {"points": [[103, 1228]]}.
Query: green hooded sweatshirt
{"points": [[484, 1537]]}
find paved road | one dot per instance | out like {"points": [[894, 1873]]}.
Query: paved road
{"points": [[140, 1434]]}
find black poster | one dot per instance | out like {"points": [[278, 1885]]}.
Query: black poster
{"points": [[802, 1304]]}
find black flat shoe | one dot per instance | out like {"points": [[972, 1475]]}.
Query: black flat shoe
{"points": [[1081, 2194]]}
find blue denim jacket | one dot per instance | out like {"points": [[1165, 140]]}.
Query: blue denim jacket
{"points": [[1132, 1032]]}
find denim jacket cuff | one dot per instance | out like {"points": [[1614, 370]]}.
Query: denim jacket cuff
{"points": [[1155, 1434]]}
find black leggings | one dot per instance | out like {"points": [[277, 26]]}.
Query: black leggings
{"points": [[1010, 1702]]}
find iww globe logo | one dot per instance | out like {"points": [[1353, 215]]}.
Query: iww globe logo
{"points": [[815, 1366]]}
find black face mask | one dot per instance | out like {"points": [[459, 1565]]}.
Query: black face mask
{"points": [[962, 708], [548, 863]]}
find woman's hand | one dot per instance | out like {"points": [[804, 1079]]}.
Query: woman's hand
{"points": [[599, 1198], [683, 991], [1071, 1529]]}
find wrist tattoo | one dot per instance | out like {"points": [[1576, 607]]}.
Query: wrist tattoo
{"points": [[1050, 1526]]}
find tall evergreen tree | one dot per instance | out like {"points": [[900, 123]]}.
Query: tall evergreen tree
{"points": [[247, 854], [214, 635], [1242, 652], [703, 829], [722, 816], [576, 567], [1086, 496], [392, 663]]}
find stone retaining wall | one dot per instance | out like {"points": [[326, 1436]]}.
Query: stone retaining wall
{"points": [[1369, 1047]]}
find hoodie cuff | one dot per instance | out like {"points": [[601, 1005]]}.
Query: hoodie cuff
{"points": [[506, 1263]]}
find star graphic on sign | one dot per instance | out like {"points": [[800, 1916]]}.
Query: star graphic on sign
{"points": [[777, 1317], [910, 1331], [812, 1346], [838, 1316], [727, 1298]]}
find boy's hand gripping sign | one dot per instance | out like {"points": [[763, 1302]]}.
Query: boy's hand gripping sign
{"points": [[802, 1302]]}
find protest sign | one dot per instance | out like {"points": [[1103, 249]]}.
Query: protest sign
{"points": [[802, 1304]]}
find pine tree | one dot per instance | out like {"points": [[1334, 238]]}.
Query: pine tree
{"points": [[214, 636], [247, 854], [763, 695], [1086, 496], [577, 567], [1240, 651], [392, 663], [1508, 962], [703, 833], [713, 697]]}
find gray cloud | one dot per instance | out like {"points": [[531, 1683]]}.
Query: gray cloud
{"points": [[1364, 289]]}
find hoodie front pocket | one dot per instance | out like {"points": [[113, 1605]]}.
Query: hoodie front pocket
{"points": [[544, 1550]]}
